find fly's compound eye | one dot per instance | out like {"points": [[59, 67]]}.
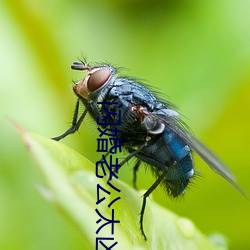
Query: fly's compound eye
{"points": [[97, 79]]}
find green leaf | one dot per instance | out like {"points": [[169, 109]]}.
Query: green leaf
{"points": [[71, 185]]}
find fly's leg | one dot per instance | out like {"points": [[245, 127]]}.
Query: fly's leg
{"points": [[145, 196], [96, 109], [127, 158], [136, 167], [75, 123], [132, 154]]}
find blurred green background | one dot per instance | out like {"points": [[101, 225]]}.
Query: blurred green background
{"points": [[196, 52]]}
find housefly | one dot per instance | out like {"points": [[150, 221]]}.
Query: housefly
{"points": [[152, 129]]}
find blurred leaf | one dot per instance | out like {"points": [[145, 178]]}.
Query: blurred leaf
{"points": [[71, 187]]}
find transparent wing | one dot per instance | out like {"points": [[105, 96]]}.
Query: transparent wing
{"points": [[208, 156], [175, 124]]}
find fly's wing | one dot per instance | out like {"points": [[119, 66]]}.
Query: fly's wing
{"points": [[175, 124], [212, 160]]}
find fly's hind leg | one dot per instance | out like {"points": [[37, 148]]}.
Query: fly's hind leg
{"points": [[145, 196]]}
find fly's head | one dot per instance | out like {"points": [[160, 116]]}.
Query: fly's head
{"points": [[93, 85]]}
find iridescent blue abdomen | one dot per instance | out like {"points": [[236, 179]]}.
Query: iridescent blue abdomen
{"points": [[170, 153]]}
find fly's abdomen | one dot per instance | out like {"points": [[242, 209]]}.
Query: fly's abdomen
{"points": [[173, 156], [180, 166], [178, 176]]}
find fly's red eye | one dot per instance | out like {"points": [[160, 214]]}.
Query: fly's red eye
{"points": [[97, 79]]}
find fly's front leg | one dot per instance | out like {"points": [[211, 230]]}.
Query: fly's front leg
{"points": [[96, 109], [75, 123], [145, 196]]}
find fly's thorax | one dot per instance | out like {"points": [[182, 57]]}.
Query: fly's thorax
{"points": [[95, 84]]}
